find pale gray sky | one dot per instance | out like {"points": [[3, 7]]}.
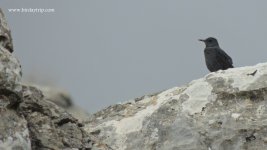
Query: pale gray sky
{"points": [[108, 51]]}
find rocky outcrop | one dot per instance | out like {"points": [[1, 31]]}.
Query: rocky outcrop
{"points": [[13, 127], [63, 99], [29, 121], [225, 110]]}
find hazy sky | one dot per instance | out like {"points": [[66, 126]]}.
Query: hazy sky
{"points": [[108, 51]]}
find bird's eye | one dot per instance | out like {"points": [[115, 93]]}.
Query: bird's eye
{"points": [[209, 41]]}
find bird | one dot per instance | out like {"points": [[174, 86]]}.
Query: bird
{"points": [[215, 58]]}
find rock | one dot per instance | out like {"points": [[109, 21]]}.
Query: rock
{"points": [[51, 126], [225, 110], [29, 121], [5, 34], [10, 71], [63, 99], [13, 127]]}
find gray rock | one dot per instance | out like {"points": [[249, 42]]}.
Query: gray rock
{"points": [[13, 127], [225, 110], [64, 100], [29, 121], [50, 126], [10, 71], [5, 33]]}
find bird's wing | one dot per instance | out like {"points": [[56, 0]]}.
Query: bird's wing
{"points": [[224, 58]]}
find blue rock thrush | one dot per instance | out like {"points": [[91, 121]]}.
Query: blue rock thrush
{"points": [[215, 57]]}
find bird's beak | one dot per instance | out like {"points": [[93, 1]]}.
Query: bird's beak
{"points": [[201, 40]]}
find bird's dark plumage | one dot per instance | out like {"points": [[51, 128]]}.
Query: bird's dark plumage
{"points": [[215, 57]]}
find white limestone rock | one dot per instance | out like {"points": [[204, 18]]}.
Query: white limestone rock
{"points": [[225, 110]]}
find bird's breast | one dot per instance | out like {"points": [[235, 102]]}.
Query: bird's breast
{"points": [[210, 52]]}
